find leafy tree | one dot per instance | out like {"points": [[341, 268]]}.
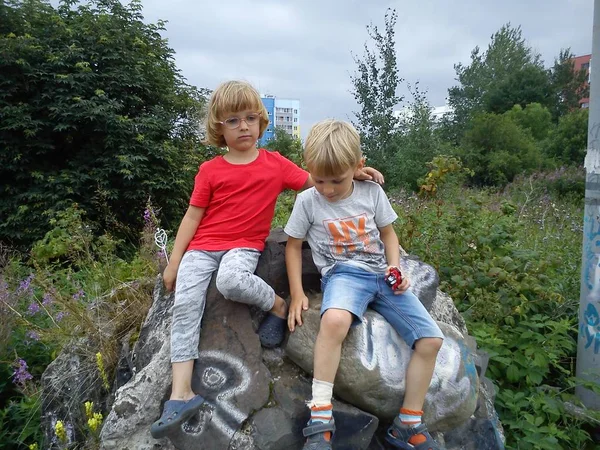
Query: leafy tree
{"points": [[375, 86], [534, 117], [497, 150], [531, 84], [94, 112], [287, 145], [417, 143], [568, 85], [507, 54], [567, 144]]}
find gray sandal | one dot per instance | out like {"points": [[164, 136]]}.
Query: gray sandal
{"points": [[399, 434], [315, 435], [175, 412]]}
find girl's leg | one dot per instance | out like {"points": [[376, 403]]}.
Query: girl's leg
{"points": [[236, 281], [193, 278]]}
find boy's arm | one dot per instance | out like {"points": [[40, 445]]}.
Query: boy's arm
{"points": [[187, 229], [293, 262], [392, 254]]}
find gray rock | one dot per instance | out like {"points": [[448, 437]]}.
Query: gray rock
{"points": [[373, 363]]}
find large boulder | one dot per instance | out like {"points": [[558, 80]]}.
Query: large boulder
{"points": [[373, 365]]}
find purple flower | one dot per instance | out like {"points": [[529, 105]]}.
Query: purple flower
{"points": [[60, 316], [21, 374], [148, 216], [34, 336], [79, 295], [25, 285], [47, 300], [33, 308]]}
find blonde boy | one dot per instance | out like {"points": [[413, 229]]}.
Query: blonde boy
{"points": [[348, 225]]}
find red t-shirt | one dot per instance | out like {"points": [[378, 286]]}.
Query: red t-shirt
{"points": [[240, 200]]}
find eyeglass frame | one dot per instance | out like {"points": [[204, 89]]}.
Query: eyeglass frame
{"points": [[245, 119]]}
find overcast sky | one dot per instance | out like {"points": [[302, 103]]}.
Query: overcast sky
{"points": [[303, 49]]}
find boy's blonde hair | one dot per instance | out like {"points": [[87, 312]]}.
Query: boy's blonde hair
{"points": [[332, 147], [229, 98]]}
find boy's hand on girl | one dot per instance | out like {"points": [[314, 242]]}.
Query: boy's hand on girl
{"points": [[370, 174], [297, 305], [169, 276], [401, 289]]}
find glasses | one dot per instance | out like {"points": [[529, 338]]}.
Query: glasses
{"points": [[233, 122]]}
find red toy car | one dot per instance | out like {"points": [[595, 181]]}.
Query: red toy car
{"points": [[394, 278]]}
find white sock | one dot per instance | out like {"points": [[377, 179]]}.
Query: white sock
{"points": [[322, 392]]}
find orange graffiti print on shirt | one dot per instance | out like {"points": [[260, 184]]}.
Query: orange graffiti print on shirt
{"points": [[347, 233]]}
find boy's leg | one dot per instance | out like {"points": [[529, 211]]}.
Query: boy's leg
{"points": [[346, 293], [236, 281], [411, 320]]}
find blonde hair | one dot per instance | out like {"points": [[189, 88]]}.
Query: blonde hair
{"points": [[332, 147], [229, 98]]}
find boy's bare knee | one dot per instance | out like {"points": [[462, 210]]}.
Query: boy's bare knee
{"points": [[428, 347], [336, 323]]}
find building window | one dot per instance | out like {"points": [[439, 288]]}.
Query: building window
{"points": [[585, 66], [295, 119], [296, 111], [585, 105]]}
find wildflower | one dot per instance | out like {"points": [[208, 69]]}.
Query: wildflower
{"points": [[89, 409], [33, 308], [78, 295], [33, 446], [60, 316], [25, 285], [60, 431], [21, 374], [47, 300], [95, 422], [34, 336], [100, 364]]}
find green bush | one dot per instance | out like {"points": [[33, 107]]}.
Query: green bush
{"points": [[500, 256], [94, 112]]}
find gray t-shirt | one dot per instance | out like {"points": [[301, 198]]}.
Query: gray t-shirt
{"points": [[346, 230]]}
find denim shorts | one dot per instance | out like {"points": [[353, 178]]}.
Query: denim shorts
{"points": [[354, 289]]}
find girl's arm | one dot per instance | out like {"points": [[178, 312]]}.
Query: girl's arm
{"points": [[187, 229]]}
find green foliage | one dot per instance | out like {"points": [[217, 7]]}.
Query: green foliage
{"points": [[568, 85], [497, 68], [375, 86], [497, 150], [534, 117], [567, 144], [94, 112], [287, 145], [416, 144], [496, 253], [45, 303], [530, 84]]}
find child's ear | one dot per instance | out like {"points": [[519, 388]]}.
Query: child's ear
{"points": [[361, 163]]}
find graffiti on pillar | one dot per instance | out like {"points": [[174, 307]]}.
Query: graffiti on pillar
{"points": [[590, 328]]}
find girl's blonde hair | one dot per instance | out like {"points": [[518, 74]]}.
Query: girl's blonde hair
{"points": [[332, 147], [229, 98]]}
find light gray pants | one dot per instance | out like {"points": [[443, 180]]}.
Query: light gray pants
{"points": [[235, 280]]}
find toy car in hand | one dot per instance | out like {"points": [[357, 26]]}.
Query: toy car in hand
{"points": [[394, 278]]}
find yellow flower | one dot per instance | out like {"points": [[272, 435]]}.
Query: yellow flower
{"points": [[33, 446], [89, 409], [60, 432]]}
